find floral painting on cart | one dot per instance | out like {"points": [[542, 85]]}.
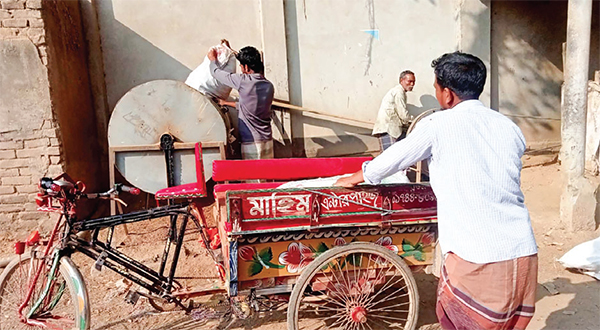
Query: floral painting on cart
{"points": [[267, 261]]}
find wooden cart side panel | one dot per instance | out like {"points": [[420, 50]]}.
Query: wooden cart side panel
{"points": [[233, 268], [267, 210], [288, 258]]}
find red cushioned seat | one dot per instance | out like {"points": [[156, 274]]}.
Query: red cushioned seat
{"points": [[284, 169], [189, 190], [246, 186]]}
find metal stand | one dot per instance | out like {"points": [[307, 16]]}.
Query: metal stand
{"points": [[169, 147]]}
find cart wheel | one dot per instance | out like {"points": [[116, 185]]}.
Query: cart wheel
{"points": [[355, 286]]}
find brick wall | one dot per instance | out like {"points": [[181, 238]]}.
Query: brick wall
{"points": [[23, 19], [29, 149]]}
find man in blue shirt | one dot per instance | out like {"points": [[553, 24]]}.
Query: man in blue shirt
{"points": [[254, 106]]}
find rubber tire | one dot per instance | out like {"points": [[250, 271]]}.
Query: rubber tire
{"points": [[68, 271], [357, 247]]}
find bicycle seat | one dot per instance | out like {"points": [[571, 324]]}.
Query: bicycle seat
{"points": [[189, 190]]}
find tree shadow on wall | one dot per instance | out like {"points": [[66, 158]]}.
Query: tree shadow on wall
{"points": [[428, 102], [526, 62]]}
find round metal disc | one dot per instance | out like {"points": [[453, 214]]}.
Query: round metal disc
{"points": [[152, 109]]}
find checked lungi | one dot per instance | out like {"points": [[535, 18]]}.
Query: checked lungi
{"points": [[499, 295], [258, 150], [386, 140]]}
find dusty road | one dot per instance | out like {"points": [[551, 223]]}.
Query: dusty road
{"points": [[576, 306]]}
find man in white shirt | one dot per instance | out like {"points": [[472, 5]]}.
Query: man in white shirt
{"points": [[393, 118], [489, 275]]}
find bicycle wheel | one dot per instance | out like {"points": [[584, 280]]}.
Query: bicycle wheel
{"points": [[66, 306], [355, 286]]}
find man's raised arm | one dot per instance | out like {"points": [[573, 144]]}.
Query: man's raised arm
{"points": [[230, 79]]}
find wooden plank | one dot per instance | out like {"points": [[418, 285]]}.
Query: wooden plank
{"points": [[113, 150], [297, 108], [176, 146], [111, 173]]}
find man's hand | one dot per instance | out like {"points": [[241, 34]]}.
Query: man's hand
{"points": [[344, 182], [228, 103], [350, 181], [212, 54]]}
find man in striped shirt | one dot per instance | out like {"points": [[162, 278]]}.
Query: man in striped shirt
{"points": [[489, 275]]}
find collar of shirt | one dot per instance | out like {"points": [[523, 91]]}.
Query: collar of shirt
{"points": [[467, 104]]}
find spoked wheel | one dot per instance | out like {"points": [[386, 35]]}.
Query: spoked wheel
{"points": [[66, 305], [355, 286]]}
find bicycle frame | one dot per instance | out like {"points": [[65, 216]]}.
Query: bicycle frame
{"points": [[48, 284], [156, 282], [104, 254]]}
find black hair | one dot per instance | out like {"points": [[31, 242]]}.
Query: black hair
{"points": [[405, 73], [250, 56], [462, 73]]}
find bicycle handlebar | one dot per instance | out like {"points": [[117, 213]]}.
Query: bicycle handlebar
{"points": [[114, 191], [130, 190], [53, 187]]}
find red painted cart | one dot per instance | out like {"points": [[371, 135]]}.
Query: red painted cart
{"points": [[341, 258], [345, 255]]}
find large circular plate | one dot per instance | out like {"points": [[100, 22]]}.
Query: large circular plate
{"points": [[152, 109]]}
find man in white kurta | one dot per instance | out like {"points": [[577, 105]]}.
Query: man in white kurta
{"points": [[393, 118], [489, 273]]}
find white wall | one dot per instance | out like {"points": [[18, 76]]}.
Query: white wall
{"points": [[316, 52], [338, 68], [144, 40]]}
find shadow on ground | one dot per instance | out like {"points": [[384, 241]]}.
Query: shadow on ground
{"points": [[578, 314]]}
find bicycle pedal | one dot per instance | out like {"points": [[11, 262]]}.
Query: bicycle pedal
{"points": [[132, 297], [100, 261]]}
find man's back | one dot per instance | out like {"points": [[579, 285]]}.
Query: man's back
{"points": [[475, 172], [256, 97], [489, 269]]}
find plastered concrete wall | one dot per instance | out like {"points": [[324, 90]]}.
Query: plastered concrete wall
{"points": [[527, 64], [337, 67], [592, 138], [319, 54], [148, 40]]}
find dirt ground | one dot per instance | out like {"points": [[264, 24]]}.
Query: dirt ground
{"points": [[575, 306]]}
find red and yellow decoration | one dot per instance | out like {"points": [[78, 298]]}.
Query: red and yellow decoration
{"points": [[266, 261]]}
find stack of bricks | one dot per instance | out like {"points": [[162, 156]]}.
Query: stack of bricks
{"points": [[26, 155], [23, 19]]}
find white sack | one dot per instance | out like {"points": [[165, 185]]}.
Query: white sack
{"points": [[585, 257], [202, 80]]}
